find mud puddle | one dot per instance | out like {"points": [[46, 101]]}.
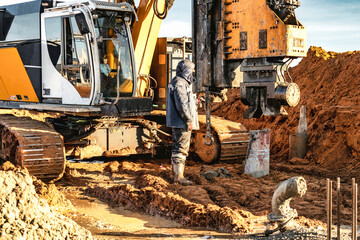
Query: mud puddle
{"points": [[106, 222]]}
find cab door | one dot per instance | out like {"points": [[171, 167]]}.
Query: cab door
{"points": [[67, 65]]}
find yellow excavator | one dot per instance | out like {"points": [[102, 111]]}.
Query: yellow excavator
{"points": [[75, 80]]}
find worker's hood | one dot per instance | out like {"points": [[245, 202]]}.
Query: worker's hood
{"points": [[185, 69]]}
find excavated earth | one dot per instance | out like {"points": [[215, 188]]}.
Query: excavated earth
{"points": [[25, 215], [235, 203], [330, 88]]}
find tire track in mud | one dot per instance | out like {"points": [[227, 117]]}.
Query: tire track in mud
{"points": [[157, 199], [219, 196]]}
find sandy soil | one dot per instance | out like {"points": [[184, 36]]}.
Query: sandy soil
{"points": [[25, 215]]}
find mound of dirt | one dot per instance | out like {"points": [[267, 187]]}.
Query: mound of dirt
{"points": [[53, 196], [112, 167], [330, 88], [23, 215], [49, 192]]}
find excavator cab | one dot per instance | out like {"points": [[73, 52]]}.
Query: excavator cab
{"points": [[87, 53], [115, 54]]}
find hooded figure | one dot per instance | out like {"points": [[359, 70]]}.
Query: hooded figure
{"points": [[181, 116]]}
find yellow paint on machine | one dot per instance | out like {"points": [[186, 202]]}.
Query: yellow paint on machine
{"points": [[14, 80], [145, 34]]}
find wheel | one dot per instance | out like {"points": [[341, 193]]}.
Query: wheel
{"points": [[207, 153]]}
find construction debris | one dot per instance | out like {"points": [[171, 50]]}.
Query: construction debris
{"points": [[209, 173]]}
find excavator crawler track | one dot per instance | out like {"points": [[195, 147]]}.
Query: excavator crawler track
{"points": [[33, 145], [231, 140]]}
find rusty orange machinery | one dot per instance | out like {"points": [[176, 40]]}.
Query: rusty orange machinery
{"points": [[252, 30], [248, 44]]}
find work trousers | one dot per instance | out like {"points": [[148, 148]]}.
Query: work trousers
{"points": [[181, 145]]}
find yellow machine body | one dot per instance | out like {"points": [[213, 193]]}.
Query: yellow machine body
{"points": [[159, 70], [253, 30], [144, 34], [168, 53], [15, 84], [112, 60]]}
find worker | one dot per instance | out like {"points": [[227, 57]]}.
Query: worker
{"points": [[105, 67], [181, 116]]}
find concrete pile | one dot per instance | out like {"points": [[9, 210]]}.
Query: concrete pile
{"points": [[23, 215]]}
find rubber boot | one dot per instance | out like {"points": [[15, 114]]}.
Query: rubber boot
{"points": [[178, 170], [172, 177]]}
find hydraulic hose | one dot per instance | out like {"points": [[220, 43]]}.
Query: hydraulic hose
{"points": [[168, 5]]}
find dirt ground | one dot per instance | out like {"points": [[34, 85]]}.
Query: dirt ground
{"points": [[233, 204], [26, 215], [236, 204]]}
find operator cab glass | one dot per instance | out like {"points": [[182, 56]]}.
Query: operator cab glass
{"points": [[115, 55], [68, 50]]}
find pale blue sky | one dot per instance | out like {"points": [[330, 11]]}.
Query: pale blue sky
{"points": [[332, 24]]}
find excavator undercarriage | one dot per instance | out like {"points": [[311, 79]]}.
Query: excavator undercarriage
{"points": [[33, 145], [230, 140]]}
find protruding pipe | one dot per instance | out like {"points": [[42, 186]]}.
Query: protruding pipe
{"points": [[354, 209], [329, 207], [284, 193], [298, 142], [302, 127], [338, 207]]}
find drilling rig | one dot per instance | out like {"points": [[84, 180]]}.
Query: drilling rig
{"points": [[249, 45]]}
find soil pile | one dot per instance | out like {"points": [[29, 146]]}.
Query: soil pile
{"points": [[330, 88], [23, 215], [53, 196]]}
